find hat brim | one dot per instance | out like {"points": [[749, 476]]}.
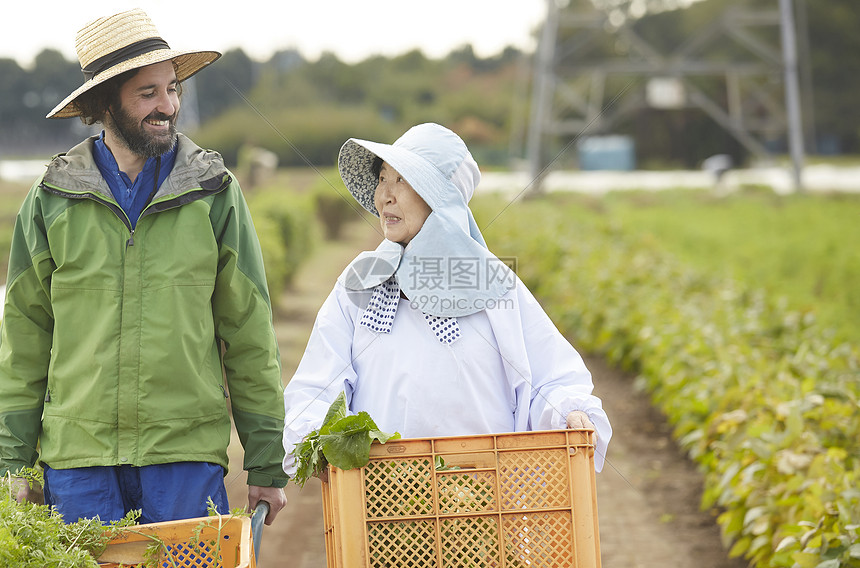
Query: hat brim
{"points": [[355, 164], [187, 64]]}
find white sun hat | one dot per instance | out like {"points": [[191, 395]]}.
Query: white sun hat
{"points": [[437, 164], [114, 44], [433, 159]]}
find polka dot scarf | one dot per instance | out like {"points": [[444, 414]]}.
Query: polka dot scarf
{"points": [[380, 311], [379, 314]]}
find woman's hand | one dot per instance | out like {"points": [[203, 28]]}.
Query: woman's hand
{"points": [[579, 419]]}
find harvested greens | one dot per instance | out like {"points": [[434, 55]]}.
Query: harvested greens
{"points": [[343, 440]]}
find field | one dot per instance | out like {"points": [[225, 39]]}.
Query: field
{"points": [[798, 247], [760, 390], [796, 251]]}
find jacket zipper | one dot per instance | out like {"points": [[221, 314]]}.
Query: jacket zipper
{"points": [[130, 241]]}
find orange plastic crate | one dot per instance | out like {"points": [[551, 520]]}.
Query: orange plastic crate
{"points": [[223, 542], [517, 500]]}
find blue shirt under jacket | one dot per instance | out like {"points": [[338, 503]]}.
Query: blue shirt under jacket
{"points": [[132, 196]]}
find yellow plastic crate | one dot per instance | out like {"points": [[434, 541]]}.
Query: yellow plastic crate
{"points": [[515, 500], [207, 542]]}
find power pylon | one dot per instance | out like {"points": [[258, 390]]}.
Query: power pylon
{"points": [[580, 89]]}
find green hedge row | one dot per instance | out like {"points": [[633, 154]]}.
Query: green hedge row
{"points": [[290, 222], [334, 205], [763, 400], [286, 227]]}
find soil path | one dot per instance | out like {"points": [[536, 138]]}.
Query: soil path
{"points": [[648, 493]]}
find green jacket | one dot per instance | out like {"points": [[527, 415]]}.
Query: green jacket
{"points": [[113, 340]]}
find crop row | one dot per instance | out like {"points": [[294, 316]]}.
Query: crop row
{"points": [[764, 400]]}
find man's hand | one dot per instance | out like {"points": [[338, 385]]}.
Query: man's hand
{"points": [[25, 492], [274, 496]]}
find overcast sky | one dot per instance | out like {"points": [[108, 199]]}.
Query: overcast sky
{"points": [[352, 29]]}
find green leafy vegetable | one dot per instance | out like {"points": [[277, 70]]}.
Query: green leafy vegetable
{"points": [[343, 440], [35, 536], [440, 465]]}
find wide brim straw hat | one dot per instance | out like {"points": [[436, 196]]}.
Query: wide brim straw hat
{"points": [[432, 158], [112, 45]]}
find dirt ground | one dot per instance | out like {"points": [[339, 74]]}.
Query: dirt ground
{"points": [[648, 494]]}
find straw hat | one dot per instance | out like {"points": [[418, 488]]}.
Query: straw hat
{"points": [[114, 44]]}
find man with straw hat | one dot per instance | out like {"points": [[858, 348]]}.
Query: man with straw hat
{"points": [[135, 287]]}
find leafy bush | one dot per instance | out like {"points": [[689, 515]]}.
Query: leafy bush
{"points": [[274, 256], [285, 226], [764, 400], [334, 205]]}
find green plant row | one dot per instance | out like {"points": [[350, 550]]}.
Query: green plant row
{"points": [[759, 396], [286, 227], [799, 246], [288, 223]]}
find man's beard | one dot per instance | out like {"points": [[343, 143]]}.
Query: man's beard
{"points": [[140, 142]]}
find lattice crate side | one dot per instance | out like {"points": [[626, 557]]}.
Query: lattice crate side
{"points": [[344, 519], [406, 535], [467, 494], [346, 510], [221, 541], [583, 489], [395, 488], [547, 498]]}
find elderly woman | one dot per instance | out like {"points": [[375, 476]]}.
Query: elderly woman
{"points": [[430, 333]]}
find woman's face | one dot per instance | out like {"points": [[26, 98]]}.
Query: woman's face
{"points": [[402, 212]]}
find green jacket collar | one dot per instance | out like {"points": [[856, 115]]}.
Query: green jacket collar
{"points": [[195, 169]]}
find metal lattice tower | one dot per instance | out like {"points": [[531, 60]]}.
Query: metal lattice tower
{"points": [[571, 97]]}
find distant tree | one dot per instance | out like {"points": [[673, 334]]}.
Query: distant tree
{"points": [[286, 60], [27, 96], [407, 88], [464, 55], [53, 77], [12, 81], [413, 61], [336, 81], [223, 84]]}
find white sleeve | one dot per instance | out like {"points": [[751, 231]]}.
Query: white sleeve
{"points": [[561, 381], [324, 371]]}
